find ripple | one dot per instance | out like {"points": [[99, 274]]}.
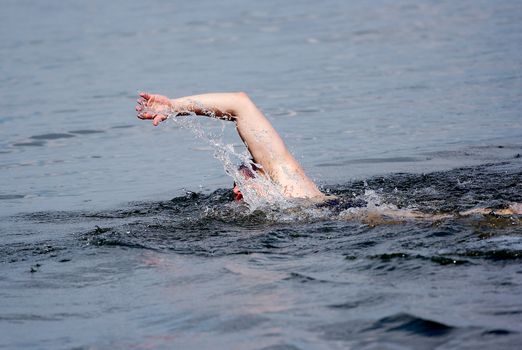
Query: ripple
{"points": [[86, 132], [29, 144], [52, 136], [213, 225], [411, 324], [11, 196], [373, 161], [401, 328], [240, 323]]}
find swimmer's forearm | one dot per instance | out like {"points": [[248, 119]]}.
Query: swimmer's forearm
{"points": [[219, 105]]}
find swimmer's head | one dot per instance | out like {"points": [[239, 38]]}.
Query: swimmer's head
{"points": [[247, 174]]}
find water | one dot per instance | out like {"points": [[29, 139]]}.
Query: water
{"points": [[116, 234], [257, 191]]}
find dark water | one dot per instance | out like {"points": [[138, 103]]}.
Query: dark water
{"points": [[114, 234], [201, 271]]}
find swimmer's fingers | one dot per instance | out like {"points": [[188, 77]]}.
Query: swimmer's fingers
{"points": [[146, 99], [147, 115], [152, 106], [158, 119], [141, 101], [140, 105], [145, 95]]}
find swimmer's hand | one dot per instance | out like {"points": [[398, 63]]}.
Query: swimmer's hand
{"points": [[153, 106]]}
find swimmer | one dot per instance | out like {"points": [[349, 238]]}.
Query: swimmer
{"points": [[259, 136], [270, 155]]}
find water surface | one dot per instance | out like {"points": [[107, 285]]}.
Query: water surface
{"points": [[403, 104]]}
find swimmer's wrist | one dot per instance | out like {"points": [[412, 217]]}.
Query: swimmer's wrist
{"points": [[176, 106], [184, 106]]}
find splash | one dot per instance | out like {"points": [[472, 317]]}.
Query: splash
{"points": [[258, 192]]}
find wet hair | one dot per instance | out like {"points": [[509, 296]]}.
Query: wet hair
{"points": [[246, 172]]}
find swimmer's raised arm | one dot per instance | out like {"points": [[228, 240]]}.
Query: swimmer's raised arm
{"points": [[218, 105], [262, 140]]}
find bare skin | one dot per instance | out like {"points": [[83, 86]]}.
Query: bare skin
{"points": [[513, 209], [398, 216], [267, 147], [259, 136]]}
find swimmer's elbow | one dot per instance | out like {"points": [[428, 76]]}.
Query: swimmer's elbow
{"points": [[243, 99], [244, 103], [241, 95]]}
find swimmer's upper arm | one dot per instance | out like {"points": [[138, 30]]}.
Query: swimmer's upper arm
{"points": [[269, 150], [262, 140]]}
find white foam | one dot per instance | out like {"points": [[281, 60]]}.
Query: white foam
{"points": [[258, 192]]}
